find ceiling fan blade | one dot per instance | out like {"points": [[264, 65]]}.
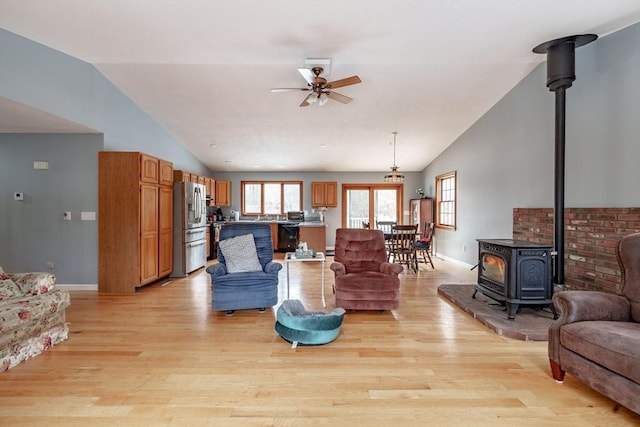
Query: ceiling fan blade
{"points": [[339, 97], [288, 89], [305, 103], [307, 75], [343, 82]]}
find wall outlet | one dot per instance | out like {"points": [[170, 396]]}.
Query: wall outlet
{"points": [[50, 265], [18, 196], [67, 216]]}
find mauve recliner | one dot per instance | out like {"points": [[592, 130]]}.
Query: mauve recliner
{"points": [[364, 280]]}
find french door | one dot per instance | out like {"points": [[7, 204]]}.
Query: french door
{"points": [[370, 203]]}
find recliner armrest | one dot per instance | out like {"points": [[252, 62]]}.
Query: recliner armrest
{"points": [[391, 268], [338, 268], [272, 267], [217, 269]]}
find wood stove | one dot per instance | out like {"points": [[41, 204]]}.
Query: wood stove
{"points": [[515, 272]]}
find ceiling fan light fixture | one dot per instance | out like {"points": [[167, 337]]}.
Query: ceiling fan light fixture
{"points": [[394, 177], [322, 99]]}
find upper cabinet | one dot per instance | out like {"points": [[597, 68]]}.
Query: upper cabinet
{"points": [[149, 169], [181, 176], [166, 173], [209, 184], [324, 194], [217, 191], [222, 193]]}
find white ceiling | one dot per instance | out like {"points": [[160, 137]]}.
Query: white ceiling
{"points": [[203, 69]]}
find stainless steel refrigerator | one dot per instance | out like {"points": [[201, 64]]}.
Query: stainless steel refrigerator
{"points": [[189, 228]]}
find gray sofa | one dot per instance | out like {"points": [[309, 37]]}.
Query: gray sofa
{"points": [[597, 336]]}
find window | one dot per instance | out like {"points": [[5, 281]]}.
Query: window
{"points": [[270, 197], [446, 200]]}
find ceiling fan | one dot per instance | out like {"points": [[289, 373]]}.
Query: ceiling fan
{"points": [[321, 91]]}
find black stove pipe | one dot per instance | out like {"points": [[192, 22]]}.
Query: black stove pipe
{"points": [[560, 76]]}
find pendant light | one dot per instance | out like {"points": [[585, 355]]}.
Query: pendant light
{"points": [[394, 176]]}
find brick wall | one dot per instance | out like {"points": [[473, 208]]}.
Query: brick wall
{"points": [[591, 236]]}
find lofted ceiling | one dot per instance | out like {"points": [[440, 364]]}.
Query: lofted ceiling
{"points": [[204, 69]]}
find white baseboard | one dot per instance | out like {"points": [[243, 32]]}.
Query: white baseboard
{"points": [[83, 287], [453, 260]]}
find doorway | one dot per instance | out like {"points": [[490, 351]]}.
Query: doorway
{"points": [[369, 203]]}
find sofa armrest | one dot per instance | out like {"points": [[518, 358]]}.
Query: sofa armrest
{"points": [[338, 268], [272, 267], [217, 269], [34, 283], [578, 306], [391, 268]]}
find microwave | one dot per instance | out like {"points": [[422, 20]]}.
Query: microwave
{"points": [[295, 215]]}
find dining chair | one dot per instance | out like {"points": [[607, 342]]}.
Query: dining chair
{"points": [[385, 227], [423, 244], [403, 245]]}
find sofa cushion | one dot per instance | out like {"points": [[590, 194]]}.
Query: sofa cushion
{"points": [[8, 288], [34, 283], [613, 345], [240, 254]]}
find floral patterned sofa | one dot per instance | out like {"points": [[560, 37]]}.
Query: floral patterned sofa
{"points": [[32, 316]]}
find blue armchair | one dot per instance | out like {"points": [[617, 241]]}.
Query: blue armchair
{"points": [[246, 289]]}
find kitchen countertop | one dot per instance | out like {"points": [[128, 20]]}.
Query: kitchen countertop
{"points": [[266, 221]]}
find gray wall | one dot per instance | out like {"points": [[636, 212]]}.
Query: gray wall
{"points": [[32, 231], [505, 160], [67, 87], [333, 216]]}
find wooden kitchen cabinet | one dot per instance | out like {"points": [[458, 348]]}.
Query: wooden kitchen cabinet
{"points": [[166, 173], [315, 236], [135, 228], [149, 169], [324, 194], [274, 235], [165, 226], [181, 176], [209, 184], [223, 192]]}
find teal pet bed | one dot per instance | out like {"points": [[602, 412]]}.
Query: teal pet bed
{"points": [[299, 326]]}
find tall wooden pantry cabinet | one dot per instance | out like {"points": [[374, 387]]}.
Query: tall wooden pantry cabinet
{"points": [[421, 211], [135, 220]]}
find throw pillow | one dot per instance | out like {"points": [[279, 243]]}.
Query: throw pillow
{"points": [[8, 288], [240, 254]]}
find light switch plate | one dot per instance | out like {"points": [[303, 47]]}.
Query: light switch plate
{"points": [[87, 216]]}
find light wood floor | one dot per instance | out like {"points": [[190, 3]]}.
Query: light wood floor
{"points": [[164, 358]]}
